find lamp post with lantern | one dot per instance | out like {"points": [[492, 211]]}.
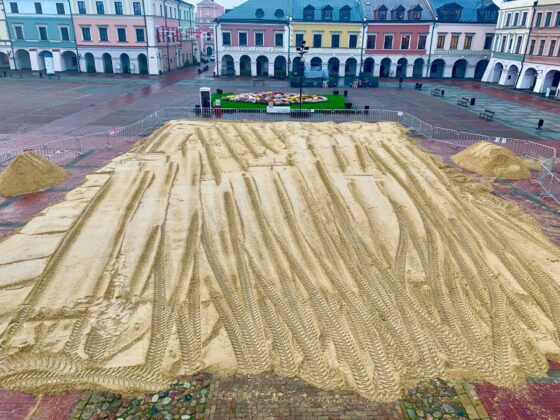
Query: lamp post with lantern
{"points": [[301, 50]]}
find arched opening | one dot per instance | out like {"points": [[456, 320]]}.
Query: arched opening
{"points": [[262, 65], [142, 64], [125, 63], [497, 73], [209, 51], [69, 61], [245, 65], [228, 66], [385, 67], [316, 62], [46, 62], [437, 68], [459, 69], [418, 68], [107, 63], [480, 69], [4, 61], [23, 61], [511, 78], [90, 63], [369, 65], [333, 67], [296, 66], [280, 66], [551, 81], [529, 79], [350, 67], [401, 67]]}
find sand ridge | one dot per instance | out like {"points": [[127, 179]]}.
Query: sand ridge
{"points": [[341, 254], [28, 173], [493, 160]]}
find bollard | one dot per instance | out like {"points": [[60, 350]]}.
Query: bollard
{"points": [[345, 93]]}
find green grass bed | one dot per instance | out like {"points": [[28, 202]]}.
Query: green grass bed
{"points": [[334, 102]]}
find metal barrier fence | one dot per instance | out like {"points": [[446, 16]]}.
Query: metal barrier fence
{"points": [[64, 150]]}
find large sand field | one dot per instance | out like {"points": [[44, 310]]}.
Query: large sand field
{"points": [[340, 254]]}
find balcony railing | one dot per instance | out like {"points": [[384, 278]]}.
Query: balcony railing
{"points": [[442, 51], [507, 56]]}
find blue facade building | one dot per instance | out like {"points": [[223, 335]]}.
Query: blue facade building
{"points": [[42, 35]]}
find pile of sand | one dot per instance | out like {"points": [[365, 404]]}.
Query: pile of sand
{"points": [[339, 254], [29, 173], [492, 160]]}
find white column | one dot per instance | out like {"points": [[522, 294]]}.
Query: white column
{"points": [[271, 67], [448, 70], [34, 58], [341, 69], [377, 68], [153, 62], [469, 73], [409, 69], [253, 67], [540, 83], [503, 76], [237, 66], [57, 61], [393, 70]]}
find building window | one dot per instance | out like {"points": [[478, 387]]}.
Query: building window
{"points": [[121, 34], [440, 42], [532, 47], [353, 41], [103, 34], [518, 45], [454, 41], [388, 42], [243, 39], [467, 44], [370, 43], [488, 41], [161, 9], [259, 39], [118, 8], [137, 8], [43, 33], [515, 19], [503, 46], [226, 38], [415, 13], [278, 39], [345, 14], [38, 8], [552, 47], [381, 13], [82, 7], [317, 40], [19, 33], [398, 13], [508, 19], [60, 9], [309, 13], [548, 19], [64, 33], [326, 13], [422, 41], [541, 47], [524, 18], [208, 36], [510, 46], [100, 7], [14, 8], [335, 40], [140, 35], [259, 13], [299, 39], [86, 34], [405, 42], [538, 20]]}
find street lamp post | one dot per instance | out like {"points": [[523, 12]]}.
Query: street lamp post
{"points": [[301, 50]]}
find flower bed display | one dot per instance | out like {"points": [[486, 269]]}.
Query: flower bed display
{"points": [[277, 98]]}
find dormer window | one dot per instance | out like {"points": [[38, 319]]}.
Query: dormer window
{"points": [[380, 13], [450, 12], [345, 14], [488, 14], [279, 13], [397, 13], [326, 13], [309, 13], [259, 13], [415, 13]]}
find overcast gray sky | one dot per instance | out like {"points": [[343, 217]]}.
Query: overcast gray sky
{"points": [[228, 4]]}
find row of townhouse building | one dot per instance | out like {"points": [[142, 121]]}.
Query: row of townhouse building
{"points": [[97, 36], [393, 38]]}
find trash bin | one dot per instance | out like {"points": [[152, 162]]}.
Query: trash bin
{"points": [[345, 93], [218, 111], [366, 109], [473, 100]]}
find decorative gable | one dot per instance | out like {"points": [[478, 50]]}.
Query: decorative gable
{"points": [[380, 13], [397, 13], [309, 12], [327, 13], [415, 13], [345, 13]]}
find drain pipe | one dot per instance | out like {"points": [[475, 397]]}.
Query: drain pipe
{"points": [[535, 3], [216, 43], [430, 50]]}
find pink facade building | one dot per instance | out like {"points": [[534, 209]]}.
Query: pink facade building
{"points": [[206, 12]]}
